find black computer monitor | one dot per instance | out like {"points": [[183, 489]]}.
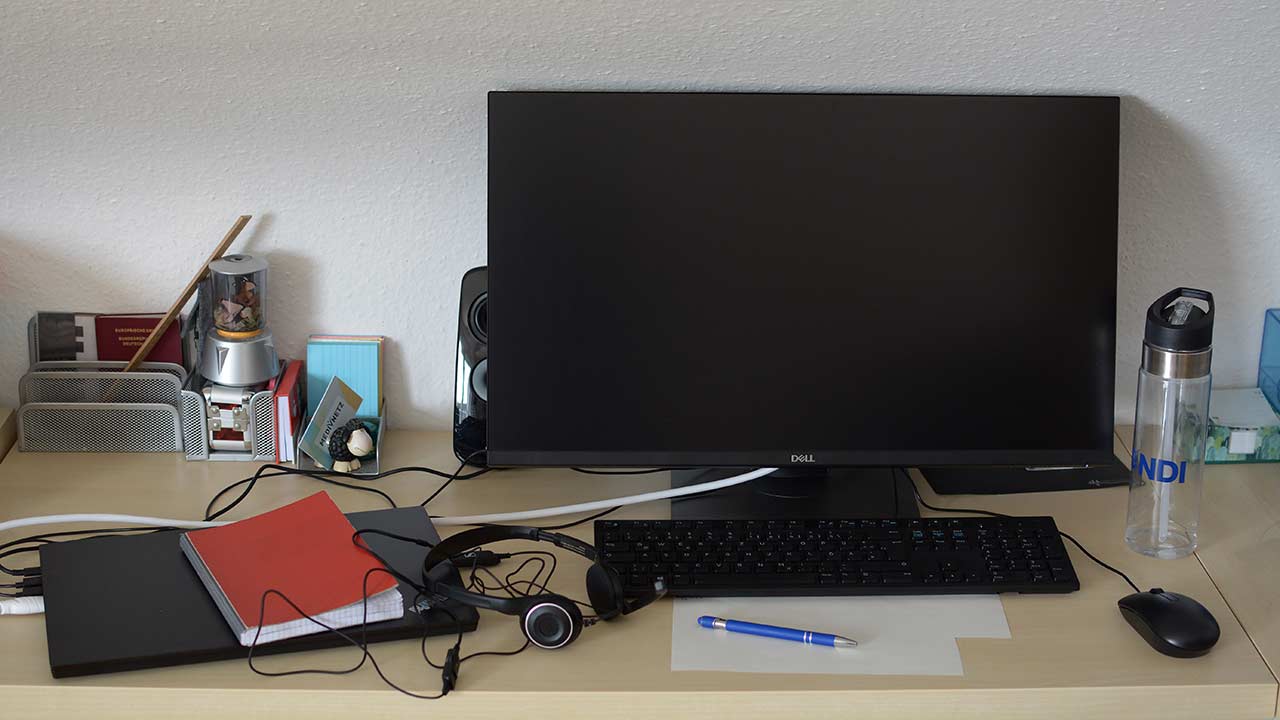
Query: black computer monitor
{"points": [[801, 280]]}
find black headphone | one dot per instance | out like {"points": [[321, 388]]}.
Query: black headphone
{"points": [[549, 621]]}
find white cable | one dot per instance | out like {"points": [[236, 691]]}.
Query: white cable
{"points": [[22, 606], [105, 518], [603, 504], [442, 521]]}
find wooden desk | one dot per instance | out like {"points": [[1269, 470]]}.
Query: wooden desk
{"points": [[1070, 655], [1240, 547], [8, 430]]}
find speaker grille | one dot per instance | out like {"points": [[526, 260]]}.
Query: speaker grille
{"points": [[99, 427], [478, 318]]}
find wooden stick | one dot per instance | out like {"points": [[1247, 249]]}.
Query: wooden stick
{"points": [[170, 316]]}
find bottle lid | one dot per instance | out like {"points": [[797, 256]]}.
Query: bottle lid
{"points": [[1175, 322], [238, 264]]}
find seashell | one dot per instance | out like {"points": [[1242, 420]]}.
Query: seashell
{"points": [[360, 444]]}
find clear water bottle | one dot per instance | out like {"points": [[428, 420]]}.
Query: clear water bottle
{"points": [[1171, 425]]}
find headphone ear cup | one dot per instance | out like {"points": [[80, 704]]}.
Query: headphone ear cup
{"points": [[604, 590], [551, 622]]}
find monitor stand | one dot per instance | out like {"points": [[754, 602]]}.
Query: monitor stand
{"points": [[979, 480], [797, 493]]}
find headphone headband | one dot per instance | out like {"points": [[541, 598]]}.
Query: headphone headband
{"points": [[547, 619], [476, 537]]}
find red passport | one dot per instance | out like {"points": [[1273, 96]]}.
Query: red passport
{"points": [[120, 336], [304, 550]]}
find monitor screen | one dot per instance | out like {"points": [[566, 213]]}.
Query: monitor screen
{"points": [[711, 279]]}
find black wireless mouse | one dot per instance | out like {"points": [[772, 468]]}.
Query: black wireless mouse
{"points": [[1171, 623]]}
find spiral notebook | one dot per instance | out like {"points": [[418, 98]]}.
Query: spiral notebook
{"points": [[304, 551]]}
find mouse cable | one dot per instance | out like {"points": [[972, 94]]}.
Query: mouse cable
{"points": [[970, 511]]}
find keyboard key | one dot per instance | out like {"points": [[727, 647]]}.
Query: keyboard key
{"points": [[754, 580], [817, 557]]}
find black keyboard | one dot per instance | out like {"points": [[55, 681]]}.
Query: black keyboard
{"points": [[930, 556]]}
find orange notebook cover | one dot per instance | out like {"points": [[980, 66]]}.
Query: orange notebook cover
{"points": [[304, 550]]}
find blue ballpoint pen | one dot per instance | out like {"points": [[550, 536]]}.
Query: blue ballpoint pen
{"points": [[773, 631]]}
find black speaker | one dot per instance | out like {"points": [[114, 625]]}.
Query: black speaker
{"points": [[471, 391]]}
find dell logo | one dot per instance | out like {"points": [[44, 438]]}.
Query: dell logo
{"points": [[802, 458]]}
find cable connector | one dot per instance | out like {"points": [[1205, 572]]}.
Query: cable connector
{"points": [[479, 558], [22, 606], [449, 674]]}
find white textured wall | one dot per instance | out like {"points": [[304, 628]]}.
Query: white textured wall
{"points": [[132, 133]]}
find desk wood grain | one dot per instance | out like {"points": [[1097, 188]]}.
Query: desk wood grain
{"points": [[1070, 655], [8, 430]]}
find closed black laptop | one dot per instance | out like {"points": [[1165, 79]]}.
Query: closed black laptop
{"points": [[134, 602]]}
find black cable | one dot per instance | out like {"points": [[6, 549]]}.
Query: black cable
{"points": [[362, 644], [512, 587], [33, 581], [1095, 559], [94, 532], [456, 476], [502, 653], [19, 572], [43, 539], [547, 562], [970, 511], [540, 557], [478, 585], [327, 476], [280, 470], [584, 520], [393, 536]]}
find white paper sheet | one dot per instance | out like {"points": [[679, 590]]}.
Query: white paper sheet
{"points": [[900, 635]]}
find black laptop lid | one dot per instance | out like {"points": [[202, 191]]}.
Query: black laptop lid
{"points": [[134, 602]]}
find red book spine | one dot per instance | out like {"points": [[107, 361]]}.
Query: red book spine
{"points": [[286, 424]]}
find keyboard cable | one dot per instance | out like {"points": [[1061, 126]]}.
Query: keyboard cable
{"points": [[971, 511]]}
